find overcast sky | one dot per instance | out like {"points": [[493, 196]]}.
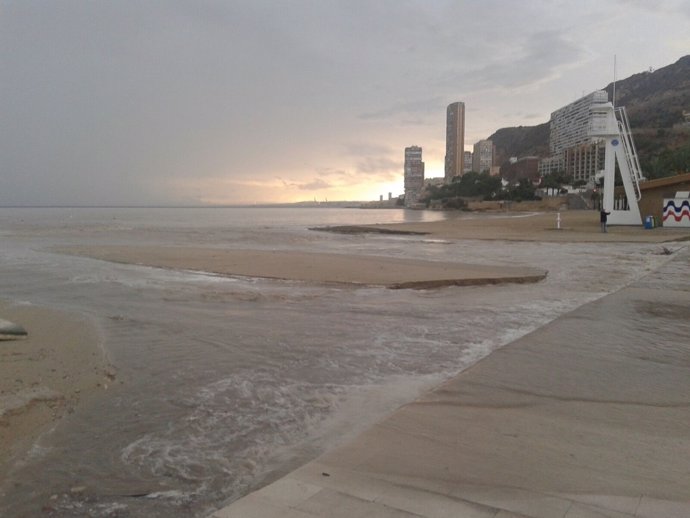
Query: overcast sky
{"points": [[135, 102]]}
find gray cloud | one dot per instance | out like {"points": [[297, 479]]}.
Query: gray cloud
{"points": [[532, 59], [367, 148], [332, 172], [659, 6], [379, 165], [155, 102], [315, 185], [425, 106]]}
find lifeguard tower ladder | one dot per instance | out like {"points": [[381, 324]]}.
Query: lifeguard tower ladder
{"points": [[611, 125]]}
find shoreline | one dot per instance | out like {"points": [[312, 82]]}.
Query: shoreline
{"points": [[538, 429], [45, 375], [526, 227]]}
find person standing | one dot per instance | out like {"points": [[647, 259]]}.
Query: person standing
{"points": [[603, 218]]}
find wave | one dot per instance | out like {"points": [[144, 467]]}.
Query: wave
{"points": [[668, 214], [672, 203]]}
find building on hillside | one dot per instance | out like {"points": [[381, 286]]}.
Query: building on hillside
{"points": [[414, 175], [518, 168], [467, 165], [569, 126], [483, 156], [551, 164], [455, 141], [573, 151], [584, 161]]}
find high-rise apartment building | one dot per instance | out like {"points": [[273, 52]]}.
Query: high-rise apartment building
{"points": [[455, 140], [573, 151], [483, 156], [414, 175], [569, 126], [584, 161], [467, 166]]}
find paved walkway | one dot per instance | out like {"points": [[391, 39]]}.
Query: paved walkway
{"points": [[588, 417]]}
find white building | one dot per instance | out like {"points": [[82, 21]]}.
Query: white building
{"points": [[569, 126], [573, 151]]}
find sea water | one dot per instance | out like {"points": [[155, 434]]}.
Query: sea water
{"points": [[225, 383]]}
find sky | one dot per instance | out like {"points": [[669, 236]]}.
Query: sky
{"points": [[171, 102]]}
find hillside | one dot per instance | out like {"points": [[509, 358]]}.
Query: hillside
{"points": [[654, 101], [521, 141]]}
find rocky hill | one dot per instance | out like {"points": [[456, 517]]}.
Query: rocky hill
{"points": [[654, 100], [521, 141]]}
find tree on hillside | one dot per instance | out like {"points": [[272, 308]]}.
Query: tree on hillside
{"points": [[523, 191], [478, 184], [668, 163], [469, 185]]}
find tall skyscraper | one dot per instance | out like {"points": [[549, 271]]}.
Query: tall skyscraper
{"points": [[455, 140], [414, 175]]}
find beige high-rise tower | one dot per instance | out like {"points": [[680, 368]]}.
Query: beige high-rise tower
{"points": [[414, 175], [455, 140]]}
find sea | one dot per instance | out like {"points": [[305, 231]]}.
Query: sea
{"points": [[225, 383]]}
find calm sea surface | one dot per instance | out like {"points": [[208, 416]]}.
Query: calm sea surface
{"points": [[226, 383]]}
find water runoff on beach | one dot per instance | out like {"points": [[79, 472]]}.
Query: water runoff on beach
{"points": [[225, 383]]}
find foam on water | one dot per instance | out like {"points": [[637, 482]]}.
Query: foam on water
{"points": [[225, 383]]}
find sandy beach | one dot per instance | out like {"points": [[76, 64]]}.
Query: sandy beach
{"points": [[502, 458], [577, 226], [45, 375]]}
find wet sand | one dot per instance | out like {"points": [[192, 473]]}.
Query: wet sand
{"points": [[584, 418], [60, 363], [45, 375], [313, 267], [577, 226]]}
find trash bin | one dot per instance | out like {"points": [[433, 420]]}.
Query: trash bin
{"points": [[649, 222]]}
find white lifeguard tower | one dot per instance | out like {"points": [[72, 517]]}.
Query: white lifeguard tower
{"points": [[611, 125]]}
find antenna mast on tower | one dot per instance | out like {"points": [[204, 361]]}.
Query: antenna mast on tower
{"points": [[613, 101]]}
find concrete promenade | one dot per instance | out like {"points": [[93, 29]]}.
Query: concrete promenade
{"points": [[587, 417]]}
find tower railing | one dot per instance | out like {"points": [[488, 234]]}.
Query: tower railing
{"points": [[629, 149]]}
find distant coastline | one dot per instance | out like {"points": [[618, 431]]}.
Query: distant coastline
{"points": [[295, 205]]}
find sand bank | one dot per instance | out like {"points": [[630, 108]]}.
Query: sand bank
{"points": [[313, 267], [576, 226], [45, 375], [584, 418]]}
